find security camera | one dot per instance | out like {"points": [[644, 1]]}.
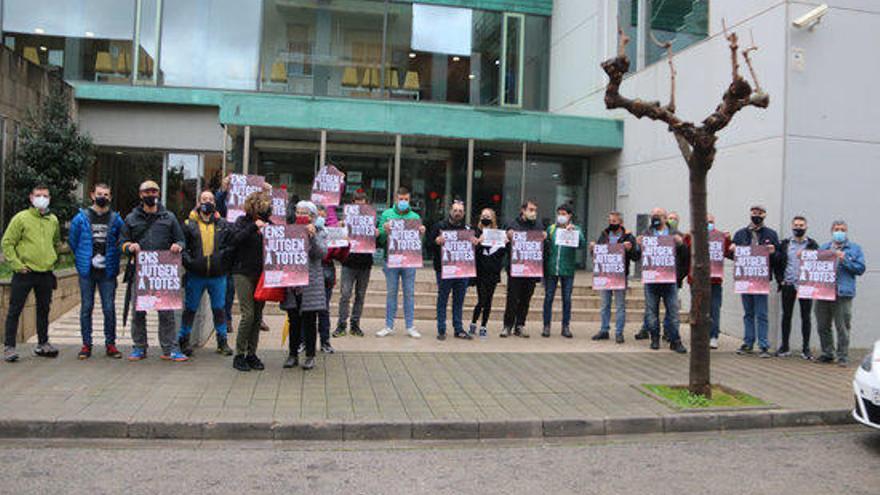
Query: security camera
{"points": [[811, 18]]}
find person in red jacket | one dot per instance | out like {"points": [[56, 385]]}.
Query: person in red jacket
{"points": [[717, 287]]}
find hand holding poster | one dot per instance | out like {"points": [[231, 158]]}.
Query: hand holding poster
{"points": [[458, 254], [496, 238], [567, 238], [328, 186], [285, 256], [751, 270], [240, 187], [658, 259], [527, 254], [279, 206], [716, 254], [360, 220], [609, 267], [818, 275], [405, 244], [337, 237], [158, 281]]}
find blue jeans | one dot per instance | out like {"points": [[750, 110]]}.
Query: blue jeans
{"points": [[324, 318], [107, 289], [458, 287], [717, 290], [193, 290], [393, 276], [669, 293], [755, 315], [550, 283], [620, 310]]}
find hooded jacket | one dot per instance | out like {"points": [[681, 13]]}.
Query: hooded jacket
{"points": [[196, 260], [31, 240], [80, 240], [311, 297], [560, 260]]}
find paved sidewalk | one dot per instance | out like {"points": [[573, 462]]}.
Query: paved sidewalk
{"points": [[358, 395]]}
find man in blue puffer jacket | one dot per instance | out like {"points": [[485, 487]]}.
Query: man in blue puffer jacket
{"points": [[94, 240]]}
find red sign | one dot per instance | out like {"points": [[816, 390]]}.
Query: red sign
{"points": [[751, 270], [459, 260], [658, 259], [328, 186], [609, 267], [818, 275], [285, 256], [360, 220], [404, 244], [279, 206], [240, 187], [527, 254], [716, 253], [157, 282]]}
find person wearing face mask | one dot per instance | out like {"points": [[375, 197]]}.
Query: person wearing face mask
{"points": [[30, 245], [94, 241], [150, 227], [615, 233], [717, 289], [520, 289], [755, 305], [668, 292], [787, 273], [456, 286], [356, 268], [490, 261], [206, 258], [850, 264], [247, 241], [559, 269], [401, 210]]}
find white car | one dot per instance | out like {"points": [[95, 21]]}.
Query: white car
{"points": [[866, 386]]}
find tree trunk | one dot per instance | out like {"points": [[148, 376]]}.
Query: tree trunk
{"points": [[701, 294]]}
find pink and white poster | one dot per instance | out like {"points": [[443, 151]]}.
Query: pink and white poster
{"points": [[404, 244], [751, 270], [279, 206], [240, 187], [658, 259], [716, 254], [527, 254], [157, 281], [818, 275], [285, 256], [609, 267], [360, 220], [328, 186], [459, 260]]}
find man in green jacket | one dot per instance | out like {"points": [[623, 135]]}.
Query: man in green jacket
{"points": [[564, 238], [30, 245]]}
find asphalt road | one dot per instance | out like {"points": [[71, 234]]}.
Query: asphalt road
{"points": [[802, 461]]}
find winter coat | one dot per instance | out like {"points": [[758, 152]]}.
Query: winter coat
{"points": [[151, 231], [247, 242], [633, 255], [31, 240], [311, 297], [81, 243], [560, 260], [194, 259], [682, 255], [435, 249]]}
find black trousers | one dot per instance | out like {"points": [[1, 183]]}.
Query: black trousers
{"points": [[519, 296], [485, 293], [789, 296], [303, 328], [42, 284]]}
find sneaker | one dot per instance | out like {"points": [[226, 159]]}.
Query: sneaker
{"points": [[602, 335], [223, 347], [137, 354], [183, 344], [783, 352], [843, 362], [642, 335], [472, 330], [655, 343], [46, 350], [240, 363], [806, 355], [176, 356], [413, 333], [327, 348], [463, 335], [112, 352], [713, 343], [619, 338], [254, 362], [825, 359], [546, 332], [441, 337], [356, 330], [339, 332], [291, 362], [385, 332], [263, 326], [85, 352], [484, 333], [765, 353], [521, 332], [309, 363], [566, 333], [9, 354], [678, 347], [744, 349], [505, 332]]}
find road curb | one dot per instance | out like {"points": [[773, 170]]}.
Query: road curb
{"points": [[423, 430]]}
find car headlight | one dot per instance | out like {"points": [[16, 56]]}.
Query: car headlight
{"points": [[868, 362]]}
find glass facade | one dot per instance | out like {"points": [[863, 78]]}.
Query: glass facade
{"points": [[681, 22]]}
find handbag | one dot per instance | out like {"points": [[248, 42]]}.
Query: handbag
{"points": [[268, 294]]}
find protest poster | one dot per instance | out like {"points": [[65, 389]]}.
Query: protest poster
{"points": [[240, 187], [337, 237], [716, 254], [609, 267], [817, 277], [751, 270], [285, 256], [496, 238], [459, 260], [360, 220], [328, 186], [658, 259], [527, 254], [279, 206], [157, 281], [404, 244], [568, 238]]}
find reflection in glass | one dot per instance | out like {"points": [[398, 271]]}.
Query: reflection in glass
{"points": [[511, 62], [682, 22], [123, 171], [148, 12], [497, 180]]}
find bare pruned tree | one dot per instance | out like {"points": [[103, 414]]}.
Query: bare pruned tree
{"points": [[697, 145]]}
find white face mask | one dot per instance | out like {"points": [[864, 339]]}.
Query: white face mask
{"points": [[562, 219], [40, 202]]}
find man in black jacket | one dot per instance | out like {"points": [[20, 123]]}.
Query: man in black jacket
{"points": [[355, 276], [150, 227], [615, 233], [520, 289], [206, 259], [457, 286], [787, 271]]}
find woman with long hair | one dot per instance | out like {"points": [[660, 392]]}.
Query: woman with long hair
{"points": [[490, 261]]}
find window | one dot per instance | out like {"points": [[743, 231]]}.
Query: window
{"points": [[681, 22]]}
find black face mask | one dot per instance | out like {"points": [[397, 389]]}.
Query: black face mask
{"points": [[757, 220], [613, 227], [150, 200], [206, 208], [656, 222], [485, 222], [102, 201], [799, 232]]}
